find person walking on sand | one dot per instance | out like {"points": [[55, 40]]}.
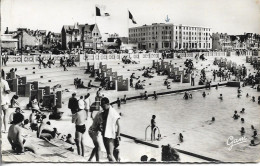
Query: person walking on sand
{"points": [[111, 131], [95, 132]]}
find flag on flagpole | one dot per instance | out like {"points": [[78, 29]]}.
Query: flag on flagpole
{"points": [[131, 17], [99, 13]]}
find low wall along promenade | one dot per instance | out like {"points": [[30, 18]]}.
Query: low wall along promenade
{"points": [[110, 57]]}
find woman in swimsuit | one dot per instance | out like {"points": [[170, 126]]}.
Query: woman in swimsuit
{"points": [[94, 132]]}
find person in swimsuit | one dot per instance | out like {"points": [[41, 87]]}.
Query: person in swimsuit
{"points": [[95, 132], [79, 120], [15, 134], [15, 137]]}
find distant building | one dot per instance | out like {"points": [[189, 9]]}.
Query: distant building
{"points": [[29, 38], [81, 36], [7, 41], [160, 36], [221, 42]]}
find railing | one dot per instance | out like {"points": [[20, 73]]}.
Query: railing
{"points": [[81, 57], [153, 132]]}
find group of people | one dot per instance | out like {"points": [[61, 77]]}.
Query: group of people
{"points": [[5, 59], [67, 62], [105, 124], [45, 63]]}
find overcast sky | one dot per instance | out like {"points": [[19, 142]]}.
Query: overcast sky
{"points": [[230, 16]]}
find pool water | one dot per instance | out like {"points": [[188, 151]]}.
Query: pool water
{"points": [[191, 117]]}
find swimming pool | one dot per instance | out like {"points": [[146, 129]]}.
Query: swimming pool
{"points": [[175, 115]]}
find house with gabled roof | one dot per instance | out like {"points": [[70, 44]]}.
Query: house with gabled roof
{"points": [[81, 36]]}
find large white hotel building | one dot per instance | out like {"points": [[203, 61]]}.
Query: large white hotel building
{"points": [[160, 36]]}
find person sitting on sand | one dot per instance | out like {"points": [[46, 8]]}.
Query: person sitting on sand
{"points": [[235, 116], [14, 101], [81, 85], [11, 116], [70, 140], [33, 121], [90, 85], [138, 85], [46, 131], [15, 137]]}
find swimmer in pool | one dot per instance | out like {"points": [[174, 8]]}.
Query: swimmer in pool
{"points": [[235, 116], [253, 99], [221, 97], [242, 111], [204, 94], [252, 143], [217, 86], [255, 134], [186, 96], [242, 131], [239, 92], [181, 137], [145, 96], [155, 95]]}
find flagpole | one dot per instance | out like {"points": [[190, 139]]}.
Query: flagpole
{"points": [[127, 26], [95, 25]]}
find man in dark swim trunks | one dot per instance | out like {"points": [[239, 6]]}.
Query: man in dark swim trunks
{"points": [[79, 120]]}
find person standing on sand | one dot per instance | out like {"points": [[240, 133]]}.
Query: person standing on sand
{"points": [[87, 104], [79, 120], [5, 90], [111, 125], [73, 105]]}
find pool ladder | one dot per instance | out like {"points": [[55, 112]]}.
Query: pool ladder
{"points": [[159, 134]]}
